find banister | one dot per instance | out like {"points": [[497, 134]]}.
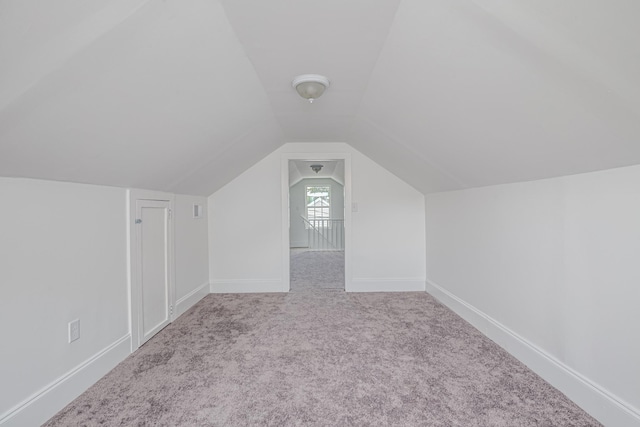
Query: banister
{"points": [[325, 233]]}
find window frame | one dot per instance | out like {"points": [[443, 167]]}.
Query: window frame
{"points": [[307, 208]]}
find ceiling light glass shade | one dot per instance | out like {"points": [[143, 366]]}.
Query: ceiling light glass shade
{"points": [[310, 86]]}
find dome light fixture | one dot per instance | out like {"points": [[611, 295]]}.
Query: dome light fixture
{"points": [[316, 168], [310, 86]]}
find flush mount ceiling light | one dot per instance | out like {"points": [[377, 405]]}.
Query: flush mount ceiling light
{"points": [[310, 86], [316, 168]]}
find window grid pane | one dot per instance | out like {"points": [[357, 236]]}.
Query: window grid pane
{"points": [[318, 203]]}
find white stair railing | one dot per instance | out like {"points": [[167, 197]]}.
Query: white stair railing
{"points": [[325, 234]]}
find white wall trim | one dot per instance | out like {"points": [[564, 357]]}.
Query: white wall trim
{"points": [[46, 402], [190, 299], [241, 286], [596, 400], [388, 284], [299, 244]]}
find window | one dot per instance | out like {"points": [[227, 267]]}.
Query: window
{"points": [[318, 203]]}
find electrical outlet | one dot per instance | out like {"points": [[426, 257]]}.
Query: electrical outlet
{"points": [[74, 330]]}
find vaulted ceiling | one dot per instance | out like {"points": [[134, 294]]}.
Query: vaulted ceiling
{"points": [[183, 95]]}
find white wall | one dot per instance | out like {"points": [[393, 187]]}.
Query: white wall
{"points": [[191, 252], [63, 255], [388, 230], [550, 270], [388, 247], [245, 232], [298, 235]]}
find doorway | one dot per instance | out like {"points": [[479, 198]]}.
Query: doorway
{"points": [[317, 226]]}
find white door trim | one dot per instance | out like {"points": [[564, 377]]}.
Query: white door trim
{"points": [[286, 283], [134, 267]]}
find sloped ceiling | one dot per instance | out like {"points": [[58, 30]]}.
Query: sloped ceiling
{"points": [[301, 169], [184, 95]]}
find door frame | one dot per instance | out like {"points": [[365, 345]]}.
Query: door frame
{"points": [[286, 279], [133, 264]]}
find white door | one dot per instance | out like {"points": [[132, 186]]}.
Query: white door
{"points": [[154, 272]]}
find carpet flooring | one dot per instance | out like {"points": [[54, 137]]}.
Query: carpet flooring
{"points": [[316, 270], [321, 359]]}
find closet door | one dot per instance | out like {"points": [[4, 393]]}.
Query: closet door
{"points": [[153, 254]]}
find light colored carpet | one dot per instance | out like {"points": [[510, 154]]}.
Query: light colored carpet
{"points": [[316, 270], [321, 359]]}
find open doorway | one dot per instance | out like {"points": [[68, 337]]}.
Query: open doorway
{"points": [[316, 225]]}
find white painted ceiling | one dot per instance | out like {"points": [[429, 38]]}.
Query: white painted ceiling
{"points": [[184, 95], [301, 169]]}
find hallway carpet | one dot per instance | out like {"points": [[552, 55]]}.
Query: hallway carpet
{"points": [[321, 359], [316, 270]]}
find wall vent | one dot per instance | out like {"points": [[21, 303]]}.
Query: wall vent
{"points": [[197, 211]]}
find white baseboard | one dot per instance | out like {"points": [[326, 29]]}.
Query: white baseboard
{"points": [[241, 286], [402, 284], [46, 402], [594, 399], [299, 244], [189, 300]]}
